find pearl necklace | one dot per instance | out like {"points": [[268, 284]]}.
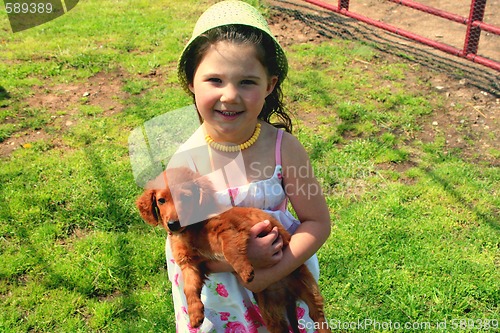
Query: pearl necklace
{"points": [[233, 149]]}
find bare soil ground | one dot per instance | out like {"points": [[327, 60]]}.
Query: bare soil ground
{"points": [[62, 101], [474, 129], [433, 27]]}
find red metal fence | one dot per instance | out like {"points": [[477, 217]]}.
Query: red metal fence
{"points": [[474, 24]]}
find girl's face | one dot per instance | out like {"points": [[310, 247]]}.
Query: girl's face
{"points": [[230, 86]]}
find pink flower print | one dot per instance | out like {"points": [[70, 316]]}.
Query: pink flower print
{"points": [[253, 317], [224, 316], [300, 314], [235, 327], [193, 330], [176, 280], [280, 175], [233, 192], [221, 290]]}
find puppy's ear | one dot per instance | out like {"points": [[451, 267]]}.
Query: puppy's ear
{"points": [[146, 204]]}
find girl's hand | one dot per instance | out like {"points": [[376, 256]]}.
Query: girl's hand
{"points": [[264, 248]]}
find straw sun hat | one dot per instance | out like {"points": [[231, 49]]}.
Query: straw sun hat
{"points": [[227, 13]]}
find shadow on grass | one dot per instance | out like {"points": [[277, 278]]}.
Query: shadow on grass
{"points": [[492, 219], [116, 217], [126, 302], [7, 217], [4, 94]]}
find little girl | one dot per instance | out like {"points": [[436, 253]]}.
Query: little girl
{"points": [[234, 68]]}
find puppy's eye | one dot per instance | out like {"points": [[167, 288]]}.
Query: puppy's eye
{"points": [[161, 201]]}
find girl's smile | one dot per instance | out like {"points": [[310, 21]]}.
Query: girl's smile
{"points": [[229, 114], [230, 87]]}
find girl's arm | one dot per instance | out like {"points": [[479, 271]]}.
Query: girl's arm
{"points": [[307, 199]]}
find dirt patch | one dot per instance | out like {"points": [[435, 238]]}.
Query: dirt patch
{"points": [[64, 103], [469, 120], [434, 27], [103, 90], [290, 30]]}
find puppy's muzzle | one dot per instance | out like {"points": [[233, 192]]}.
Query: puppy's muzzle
{"points": [[174, 225]]}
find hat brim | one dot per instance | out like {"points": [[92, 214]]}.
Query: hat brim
{"points": [[230, 13]]}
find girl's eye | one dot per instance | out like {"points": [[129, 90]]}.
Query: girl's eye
{"points": [[247, 82], [214, 80]]}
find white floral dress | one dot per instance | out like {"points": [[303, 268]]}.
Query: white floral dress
{"points": [[229, 307]]}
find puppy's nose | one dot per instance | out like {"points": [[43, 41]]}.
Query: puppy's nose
{"points": [[174, 225]]}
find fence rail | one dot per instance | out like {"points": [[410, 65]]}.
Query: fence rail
{"points": [[474, 24]]}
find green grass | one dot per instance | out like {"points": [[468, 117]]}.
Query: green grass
{"points": [[416, 226]]}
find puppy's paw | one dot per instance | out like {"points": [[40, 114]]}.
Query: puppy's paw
{"points": [[196, 319], [248, 276]]}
